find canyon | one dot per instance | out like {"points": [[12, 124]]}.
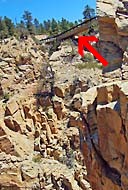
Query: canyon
{"points": [[63, 126]]}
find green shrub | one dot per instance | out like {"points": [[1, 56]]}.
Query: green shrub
{"points": [[88, 58], [37, 158], [91, 65]]}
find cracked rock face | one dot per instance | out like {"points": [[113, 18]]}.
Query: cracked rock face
{"points": [[104, 135], [37, 150], [113, 28]]}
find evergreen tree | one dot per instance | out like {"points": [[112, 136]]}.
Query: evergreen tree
{"points": [[59, 27], [47, 25], [10, 26], [21, 30], [27, 16], [3, 29], [88, 12], [30, 26], [36, 23], [37, 26], [54, 26], [76, 22], [79, 21], [42, 29], [64, 25], [70, 24]]}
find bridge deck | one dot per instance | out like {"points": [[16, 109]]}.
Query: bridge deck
{"points": [[84, 26]]}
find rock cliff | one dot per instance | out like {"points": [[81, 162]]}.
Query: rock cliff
{"points": [[101, 112], [103, 126], [63, 128], [37, 149], [113, 29]]}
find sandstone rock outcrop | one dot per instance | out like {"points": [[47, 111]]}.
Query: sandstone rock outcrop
{"points": [[43, 131], [113, 30], [104, 135], [20, 65], [37, 150]]}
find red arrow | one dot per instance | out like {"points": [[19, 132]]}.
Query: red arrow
{"points": [[83, 41]]}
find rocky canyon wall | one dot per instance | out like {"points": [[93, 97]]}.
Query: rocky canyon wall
{"points": [[37, 149], [103, 110], [104, 132], [113, 28], [41, 136]]}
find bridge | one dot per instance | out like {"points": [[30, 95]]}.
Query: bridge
{"points": [[82, 27]]}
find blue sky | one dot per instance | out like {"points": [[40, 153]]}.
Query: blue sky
{"points": [[45, 9]]}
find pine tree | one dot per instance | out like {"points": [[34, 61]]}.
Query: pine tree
{"points": [[42, 29], [64, 25], [10, 26], [88, 12], [3, 29], [27, 16], [47, 25], [76, 22], [37, 26], [54, 26], [21, 30]]}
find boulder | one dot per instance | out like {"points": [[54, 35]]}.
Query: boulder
{"points": [[59, 108], [11, 107]]}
